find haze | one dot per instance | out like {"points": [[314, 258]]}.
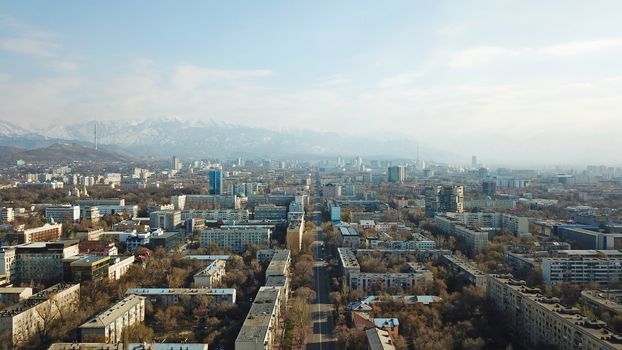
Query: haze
{"points": [[537, 81]]}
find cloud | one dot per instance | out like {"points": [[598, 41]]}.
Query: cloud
{"points": [[479, 55], [188, 76], [582, 47], [27, 46]]}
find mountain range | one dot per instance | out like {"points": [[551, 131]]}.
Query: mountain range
{"points": [[164, 137]]}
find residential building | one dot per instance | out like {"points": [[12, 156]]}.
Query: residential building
{"points": [[463, 267], [168, 220], [603, 300], [42, 262], [535, 320], [119, 266], [581, 238], [131, 346], [450, 199], [379, 339], [397, 174], [104, 248], [12, 295], [110, 206], [205, 201], [236, 237], [80, 268], [270, 212], [166, 240], [279, 264], [603, 267], [23, 320], [331, 191], [210, 275], [109, 325], [45, 233], [295, 230], [7, 215], [334, 210], [90, 213], [261, 324], [348, 236], [370, 281], [172, 296], [8, 265], [474, 240], [228, 216]]}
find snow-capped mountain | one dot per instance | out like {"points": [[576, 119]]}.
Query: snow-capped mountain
{"points": [[163, 137]]}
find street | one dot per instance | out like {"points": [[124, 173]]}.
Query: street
{"points": [[322, 314]]}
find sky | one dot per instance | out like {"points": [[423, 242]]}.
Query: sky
{"points": [[505, 80]]}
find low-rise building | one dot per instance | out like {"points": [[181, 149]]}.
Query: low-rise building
{"points": [[210, 275], [63, 213], [260, 326], [42, 262], [379, 339], [462, 266], [270, 212], [11, 295], [119, 265], [167, 220], [172, 296], [348, 236], [45, 233], [108, 326], [236, 237], [23, 320]]}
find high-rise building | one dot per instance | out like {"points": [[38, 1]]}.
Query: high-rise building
{"points": [[489, 187], [450, 199], [175, 163], [474, 161], [397, 174], [215, 181]]}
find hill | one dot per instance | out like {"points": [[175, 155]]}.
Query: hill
{"points": [[65, 152]]}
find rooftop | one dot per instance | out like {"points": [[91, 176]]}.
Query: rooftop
{"points": [[259, 318], [181, 291], [113, 313]]}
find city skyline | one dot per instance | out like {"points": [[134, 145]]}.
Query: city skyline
{"points": [[507, 80]]}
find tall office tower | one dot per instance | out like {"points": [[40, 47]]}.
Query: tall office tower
{"points": [[397, 174], [474, 161], [215, 181], [450, 199], [489, 187], [175, 163]]}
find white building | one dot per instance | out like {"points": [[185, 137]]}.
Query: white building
{"points": [[260, 327], [108, 326], [210, 275], [236, 237], [62, 213]]}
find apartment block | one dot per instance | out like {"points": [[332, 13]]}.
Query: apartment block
{"points": [[603, 267], [108, 326], [236, 237], [535, 320], [210, 275], [462, 266], [8, 265], [260, 326], [279, 264], [172, 296], [42, 262], [374, 282], [45, 233], [168, 220], [270, 212], [23, 320], [475, 240], [63, 213], [7, 215]]}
